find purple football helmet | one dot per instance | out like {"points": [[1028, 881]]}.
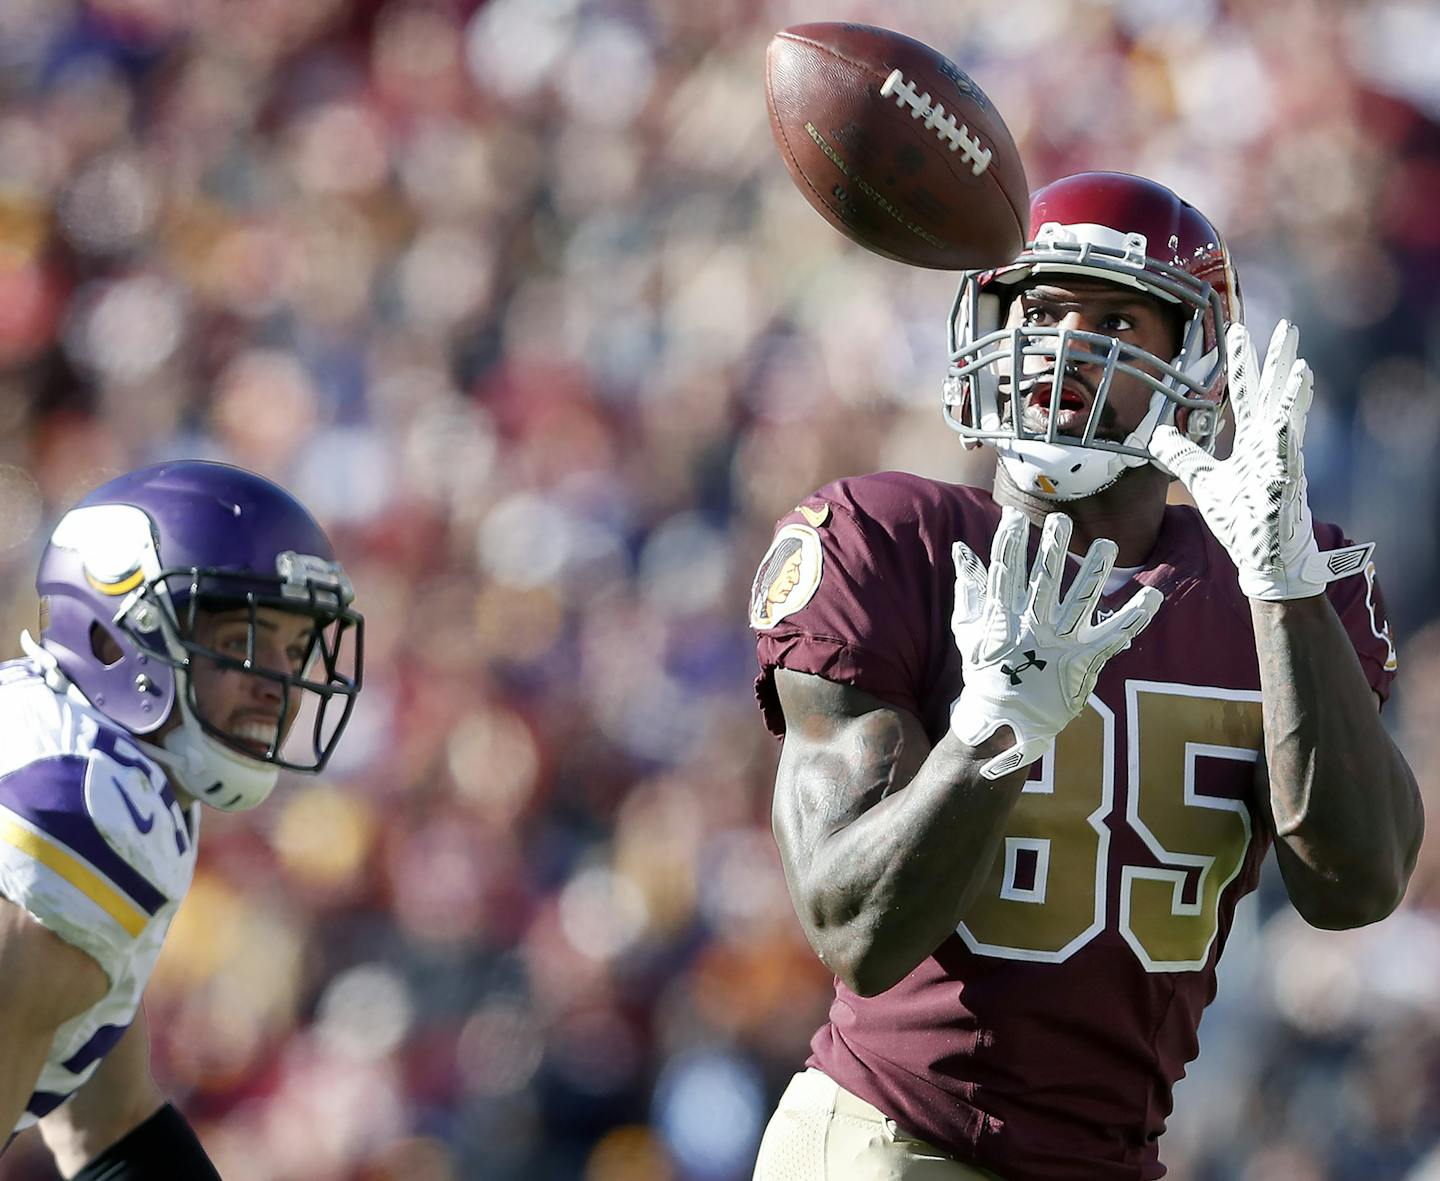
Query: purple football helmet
{"points": [[128, 569]]}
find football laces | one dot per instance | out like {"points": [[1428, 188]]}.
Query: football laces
{"points": [[956, 135]]}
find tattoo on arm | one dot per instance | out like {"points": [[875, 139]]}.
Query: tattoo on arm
{"points": [[884, 838], [845, 752]]}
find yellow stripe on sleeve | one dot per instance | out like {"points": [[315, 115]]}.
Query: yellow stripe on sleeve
{"points": [[78, 874]]}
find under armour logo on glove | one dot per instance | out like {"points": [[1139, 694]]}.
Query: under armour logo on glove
{"points": [[1030, 662], [1001, 615]]}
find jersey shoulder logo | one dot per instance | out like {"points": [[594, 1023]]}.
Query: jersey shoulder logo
{"points": [[788, 576]]}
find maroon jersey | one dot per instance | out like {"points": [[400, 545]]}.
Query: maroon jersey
{"points": [[1042, 1039]]}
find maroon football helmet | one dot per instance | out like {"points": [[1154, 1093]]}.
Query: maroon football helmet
{"points": [[1122, 229]]}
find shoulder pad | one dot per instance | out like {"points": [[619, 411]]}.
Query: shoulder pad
{"points": [[99, 826], [128, 799]]}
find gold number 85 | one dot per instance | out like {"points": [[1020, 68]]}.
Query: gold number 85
{"points": [[1058, 833]]}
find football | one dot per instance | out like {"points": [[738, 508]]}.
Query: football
{"points": [[896, 146]]}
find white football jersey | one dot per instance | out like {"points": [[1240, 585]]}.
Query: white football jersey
{"points": [[94, 845]]}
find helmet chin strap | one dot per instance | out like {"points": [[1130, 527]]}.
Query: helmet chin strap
{"points": [[208, 770], [1057, 471]]}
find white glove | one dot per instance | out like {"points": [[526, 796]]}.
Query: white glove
{"points": [[1255, 502], [1031, 658]]}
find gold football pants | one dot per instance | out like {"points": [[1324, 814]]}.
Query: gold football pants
{"points": [[821, 1132]]}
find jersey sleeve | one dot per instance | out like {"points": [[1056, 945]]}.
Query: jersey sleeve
{"points": [[1360, 605], [848, 591], [65, 860]]}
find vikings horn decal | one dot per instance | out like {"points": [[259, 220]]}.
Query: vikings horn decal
{"points": [[116, 543]]}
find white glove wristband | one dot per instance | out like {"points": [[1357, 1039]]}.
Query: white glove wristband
{"points": [[969, 723]]}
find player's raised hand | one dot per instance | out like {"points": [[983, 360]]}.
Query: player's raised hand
{"points": [[1031, 656], [1255, 502]]}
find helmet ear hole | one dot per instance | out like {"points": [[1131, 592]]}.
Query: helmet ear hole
{"points": [[104, 647]]}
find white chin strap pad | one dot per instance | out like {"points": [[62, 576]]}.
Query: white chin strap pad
{"points": [[210, 771], [1061, 473], [214, 774], [1070, 472]]}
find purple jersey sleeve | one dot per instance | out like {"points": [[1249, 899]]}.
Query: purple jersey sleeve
{"points": [[856, 582]]}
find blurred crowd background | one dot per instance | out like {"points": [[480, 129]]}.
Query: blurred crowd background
{"points": [[518, 297]]}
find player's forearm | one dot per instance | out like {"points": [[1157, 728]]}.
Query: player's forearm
{"points": [[44, 982], [23, 1059], [890, 886], [1347, 811], [23, 1047], [119, 1097]]}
